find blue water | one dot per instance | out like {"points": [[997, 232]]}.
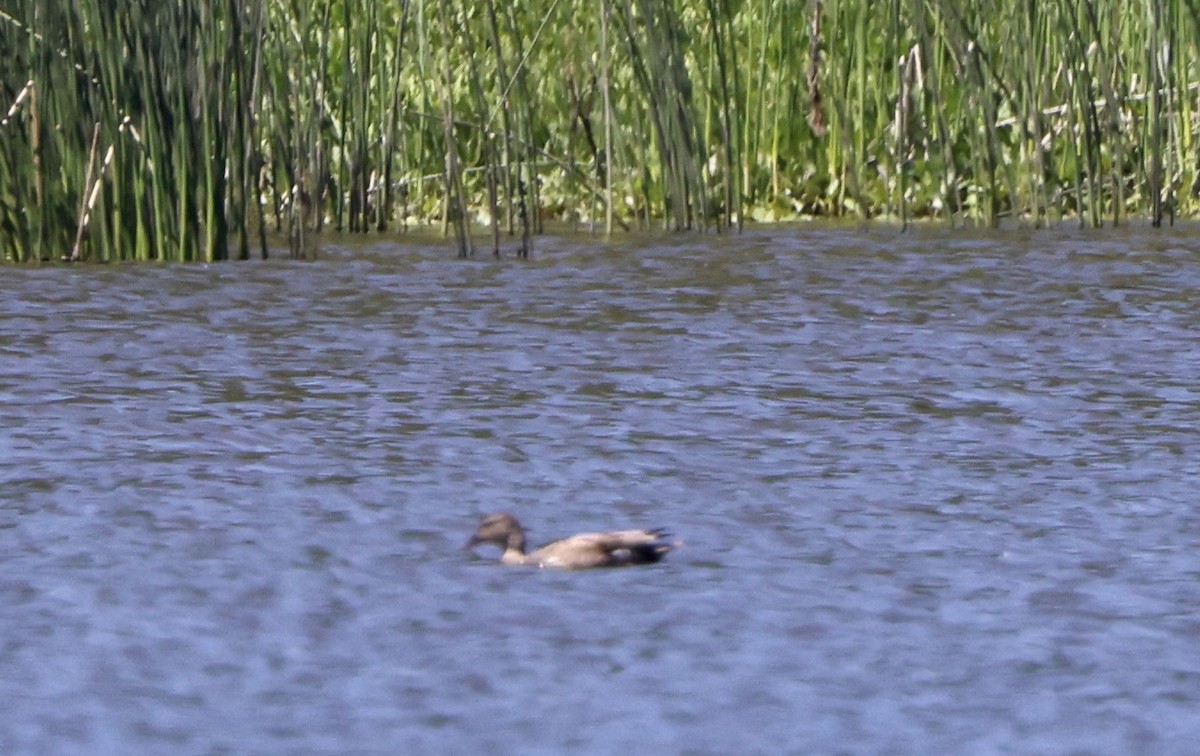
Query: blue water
{"points": [[937, 493]]}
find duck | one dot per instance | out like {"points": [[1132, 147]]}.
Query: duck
{"points": [[619, 548]]}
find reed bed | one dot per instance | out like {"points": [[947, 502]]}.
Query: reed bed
{"points": [[182, 130]]}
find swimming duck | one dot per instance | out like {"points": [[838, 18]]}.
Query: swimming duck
{"points": [[619, 548]]}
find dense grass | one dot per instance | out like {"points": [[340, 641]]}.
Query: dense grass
{"points": [[185, 130]]}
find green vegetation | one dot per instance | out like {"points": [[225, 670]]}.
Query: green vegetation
{"points": [[188, 130]]}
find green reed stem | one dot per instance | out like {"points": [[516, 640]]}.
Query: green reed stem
{"points": [[228, 121]]}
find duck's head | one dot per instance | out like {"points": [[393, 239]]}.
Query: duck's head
{"points": [[501, 529]]}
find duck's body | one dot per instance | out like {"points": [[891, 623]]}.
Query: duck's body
{"points": [[621, 548]]}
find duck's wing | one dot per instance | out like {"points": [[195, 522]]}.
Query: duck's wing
{"points": [[613, 549]]}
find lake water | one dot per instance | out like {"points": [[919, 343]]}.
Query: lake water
{"points": [[938, 493]]}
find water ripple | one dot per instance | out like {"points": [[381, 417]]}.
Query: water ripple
{"points": [[935, 491]]}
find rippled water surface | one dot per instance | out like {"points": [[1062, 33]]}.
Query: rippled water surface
{"points": [[938, 493]]}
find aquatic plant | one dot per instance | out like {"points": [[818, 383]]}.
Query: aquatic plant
{"points": [[182, 130]]}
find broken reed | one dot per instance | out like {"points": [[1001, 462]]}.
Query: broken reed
{"points": [[183, 130]]}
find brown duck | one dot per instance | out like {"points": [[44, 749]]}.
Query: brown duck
{"points": [[619, 548]]}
